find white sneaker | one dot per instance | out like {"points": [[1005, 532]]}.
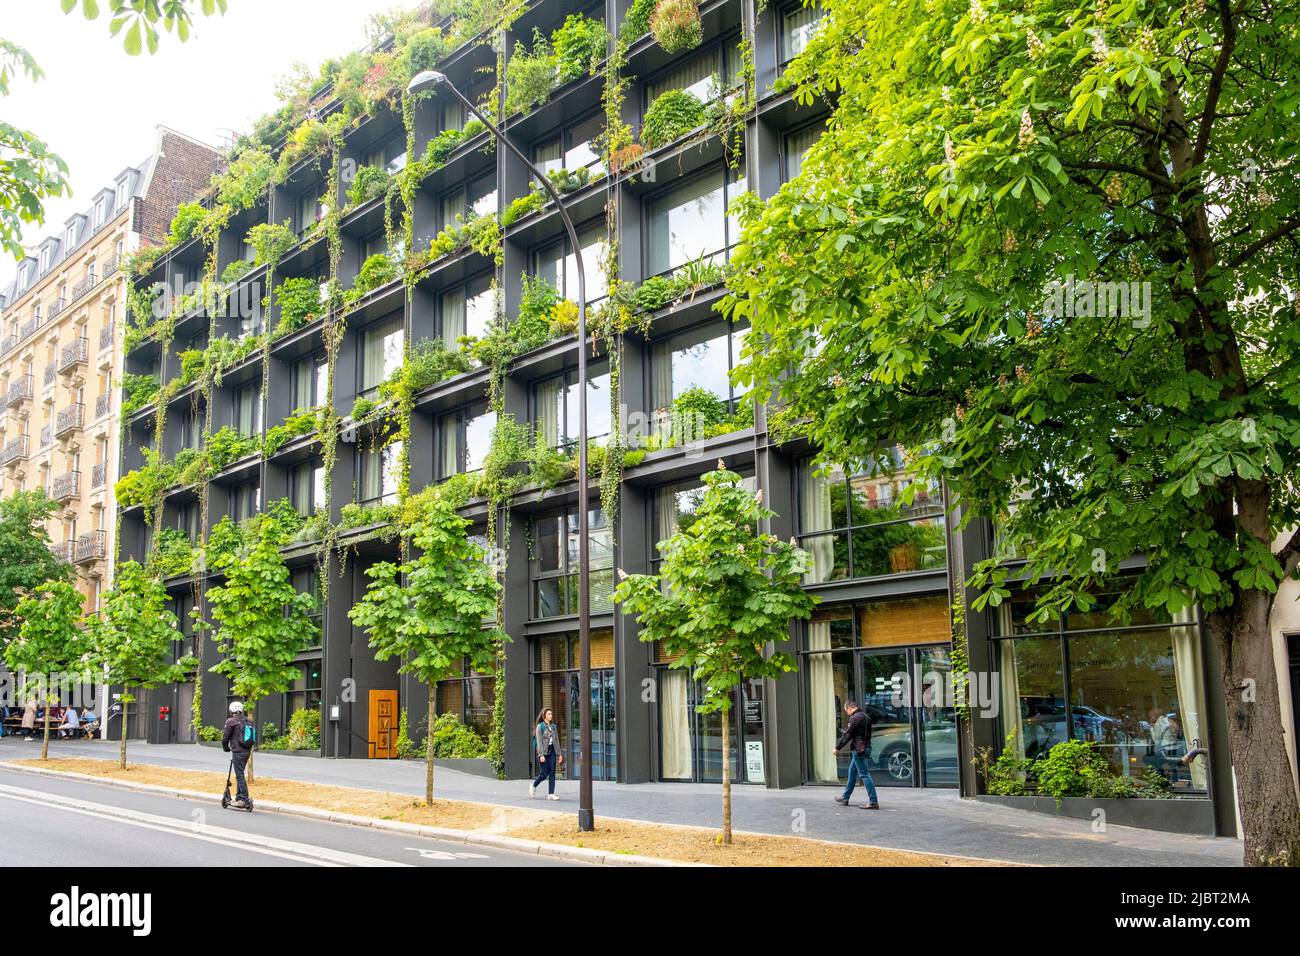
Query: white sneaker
{"points": [[551, 796], [532, 791]]}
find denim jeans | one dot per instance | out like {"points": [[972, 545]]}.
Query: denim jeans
{"points": [[860, 768], [546, 771]]}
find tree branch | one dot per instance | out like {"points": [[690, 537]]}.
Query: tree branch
{"points": [[1286, 228], [1147, 174], [1289, 556], [1215, 89]]}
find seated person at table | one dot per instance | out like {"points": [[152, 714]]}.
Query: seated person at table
{"points": [[68, 728]]}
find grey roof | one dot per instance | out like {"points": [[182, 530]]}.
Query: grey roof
{"points": [[29, 272]]}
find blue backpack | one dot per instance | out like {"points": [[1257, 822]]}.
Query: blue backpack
{"points": [[248, 735]]}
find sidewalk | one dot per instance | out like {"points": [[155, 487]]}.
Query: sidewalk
{"points": [[934, 821]]}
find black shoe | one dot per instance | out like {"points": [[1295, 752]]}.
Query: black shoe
{"points": [[842, 801]]}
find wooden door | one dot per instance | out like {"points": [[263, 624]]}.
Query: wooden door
{"points": [[383, 724]]}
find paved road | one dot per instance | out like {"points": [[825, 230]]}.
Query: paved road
{"points": [[938, 821], [68, 823]]}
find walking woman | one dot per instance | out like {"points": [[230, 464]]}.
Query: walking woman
{"points": [[546, 741], [30, 714]]}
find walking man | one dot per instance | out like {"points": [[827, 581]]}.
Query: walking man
{"points": [[857, 737]]}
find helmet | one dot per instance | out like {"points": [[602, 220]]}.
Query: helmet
{"points": [[236, 708]]}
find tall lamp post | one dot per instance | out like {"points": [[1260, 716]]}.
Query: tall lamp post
{"points": [[586, 818]]}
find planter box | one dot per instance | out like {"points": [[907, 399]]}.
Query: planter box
{"points": [[1180, 815]]}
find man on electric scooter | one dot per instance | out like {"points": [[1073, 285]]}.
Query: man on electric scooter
{"points": [[238, 741]]}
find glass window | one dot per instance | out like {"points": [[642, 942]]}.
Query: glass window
{"points": [[556, 263], [304, 692], [554, 564], [453, 208], [796, 145], [689, 221], [574, 148], [382, 346], [555, 688], [555, 407], [697, 359], [307, 486], [464, 438], [857, 524], [1137, 692], [798, 24], [469, 697], [248, 409], [310, 209], [245, 501], [698, 76], [389, 155], [379, 474], [466, 310], [310, 380]]}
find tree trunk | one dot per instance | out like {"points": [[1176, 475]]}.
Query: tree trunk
{"points": [[248, 769], [1266, 794], [122, 752], [45, 741], [726, 777], [428, 753]]}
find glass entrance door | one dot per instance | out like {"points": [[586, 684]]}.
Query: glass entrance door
{"points": [[880, 675], [914, 731], [936, 719], [604, 758]]}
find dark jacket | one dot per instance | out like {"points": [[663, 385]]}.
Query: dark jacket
{"points": [[857, 734], [232, 736]]}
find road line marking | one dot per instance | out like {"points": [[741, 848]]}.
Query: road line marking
{"points": [[321, 856]]}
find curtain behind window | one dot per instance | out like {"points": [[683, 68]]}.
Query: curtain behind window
{"points": [[675, 730], [548, 394], [696, 76], [822, 713], [815, 514], [382, 352]]}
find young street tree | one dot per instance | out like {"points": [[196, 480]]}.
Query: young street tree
{"points": [[31, 172], [262, 622], [51, 644], [434, 621], [724, 592], [1052, 250], [133, 643], [26, 561]]}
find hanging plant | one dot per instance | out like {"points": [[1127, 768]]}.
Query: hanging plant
{"points": [[676, 25], [580, 45], [673, 114]]}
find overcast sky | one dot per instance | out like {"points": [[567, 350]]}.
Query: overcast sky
{"points": [[98, 108]]}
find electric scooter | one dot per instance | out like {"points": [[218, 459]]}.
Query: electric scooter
{"points": [[226, 802]]}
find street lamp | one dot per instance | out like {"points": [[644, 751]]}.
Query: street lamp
{"points": [[586, 819]]}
